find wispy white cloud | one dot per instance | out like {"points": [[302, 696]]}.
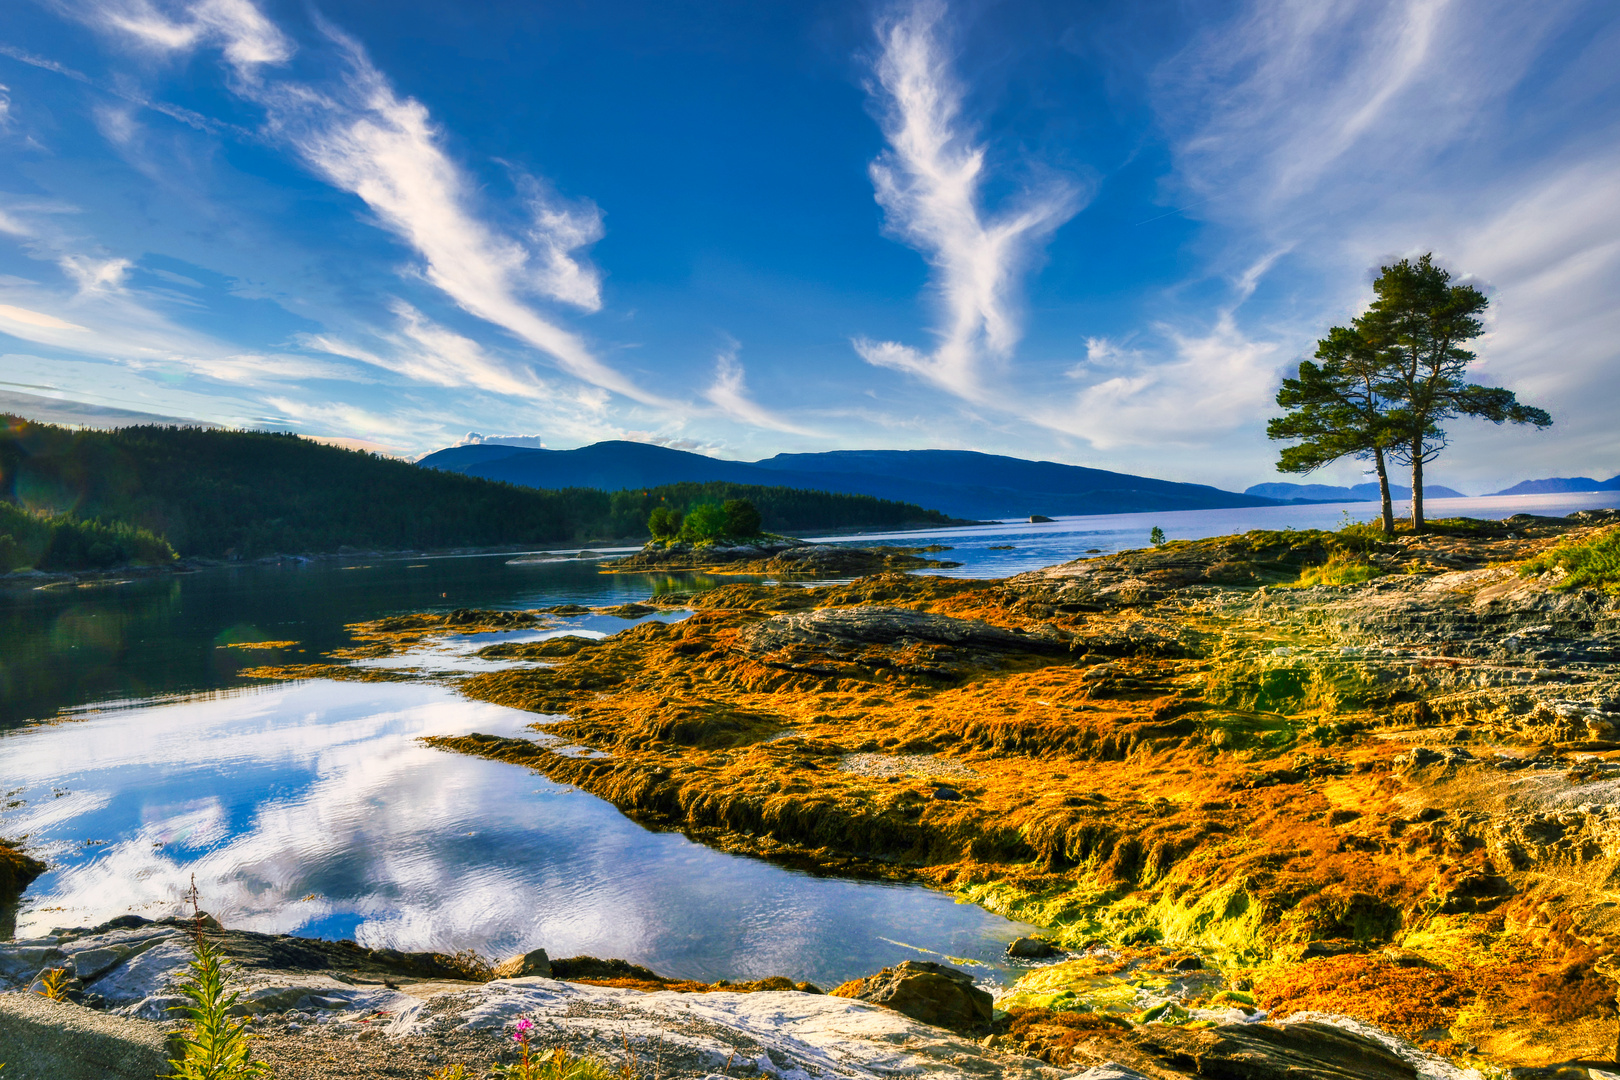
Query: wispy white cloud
{"points": [[44, 62], [238, 28], [100, 316], [365, 139], [93, 275], [26, 317], [424, 351], [1357, 132], [729, 393], [1199, 385], [930, 184], [357, 133]]}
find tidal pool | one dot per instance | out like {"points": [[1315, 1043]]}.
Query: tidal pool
{"points": [[310, 808]]}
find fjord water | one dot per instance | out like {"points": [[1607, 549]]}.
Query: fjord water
{"points": [[311, 807], [1003, 549]]}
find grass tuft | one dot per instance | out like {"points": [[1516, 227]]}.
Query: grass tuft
{"points": [[1593, 563], [54, 984], [1342, 568]]}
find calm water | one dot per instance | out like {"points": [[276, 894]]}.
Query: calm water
{"points": [[311, 808], [984, 549]]}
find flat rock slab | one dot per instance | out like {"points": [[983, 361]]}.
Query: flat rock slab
{"points": [[781, 1034], [43, 1040]]}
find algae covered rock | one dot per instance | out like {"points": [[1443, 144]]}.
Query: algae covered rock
{"points": [[932, 993], [1031, 948]]}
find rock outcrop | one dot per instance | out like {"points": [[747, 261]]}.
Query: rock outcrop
{"points": [[1193, 746], [932, 993], [780, 557]]}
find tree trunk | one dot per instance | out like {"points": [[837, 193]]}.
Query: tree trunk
{"points": [[1417, 485], [1387, 518]]}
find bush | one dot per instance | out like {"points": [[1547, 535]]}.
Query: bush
{"points": [[664, 523], [705, 523], [216, 1047], [1593, 563]]}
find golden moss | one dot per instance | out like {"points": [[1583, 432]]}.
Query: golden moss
{"points": [[1173, 763]]}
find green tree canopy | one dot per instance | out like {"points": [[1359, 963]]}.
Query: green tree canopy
{"points": [[664, 523], [705, 522], [1419, 324], [741, 518], [1335, 410], [1383, 386]]}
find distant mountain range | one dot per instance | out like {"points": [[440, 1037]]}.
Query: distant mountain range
{"points": [[1357, 493], [1559, 485], [962, 483]]}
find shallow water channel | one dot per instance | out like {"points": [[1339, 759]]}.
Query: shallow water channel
{"points": [[311, 808]]}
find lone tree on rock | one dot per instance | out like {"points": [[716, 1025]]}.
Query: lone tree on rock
{"points": [[1385, 384], [1418, 324]]}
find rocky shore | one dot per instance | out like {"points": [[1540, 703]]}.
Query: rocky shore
{"points": [[1289, 804], [321, 1009], [780, 557], [1390, 799]]}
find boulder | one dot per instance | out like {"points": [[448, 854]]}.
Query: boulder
{"points": [[535, 963], [1294, 1051], [1031, 948], [932, 993]]}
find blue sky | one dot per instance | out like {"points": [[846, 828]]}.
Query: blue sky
{"points": [[1094, 233]]}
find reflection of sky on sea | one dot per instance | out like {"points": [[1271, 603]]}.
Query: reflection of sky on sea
{"points": [[456, 652], [311, 807], [1005, 548]]}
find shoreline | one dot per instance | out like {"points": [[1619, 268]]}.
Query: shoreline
{"points": [[1383, 796], [318, 1010], [1344, 724]]}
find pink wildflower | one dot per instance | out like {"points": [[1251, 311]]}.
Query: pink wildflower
{"points": [[524, 1026]]}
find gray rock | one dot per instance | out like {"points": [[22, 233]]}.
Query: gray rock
{"points": [[529, 964], [90, 964], [932, 993], [1031, 948], [147, 973], [22, 960], [1111, 1071]]}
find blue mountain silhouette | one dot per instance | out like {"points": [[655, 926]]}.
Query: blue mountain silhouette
{"points": [[963, 483]]}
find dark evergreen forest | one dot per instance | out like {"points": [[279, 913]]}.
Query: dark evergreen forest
{"points": [[217, 493]]}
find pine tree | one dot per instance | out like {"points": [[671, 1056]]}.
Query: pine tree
{"points": [[1418, 325], [1335, 411]]}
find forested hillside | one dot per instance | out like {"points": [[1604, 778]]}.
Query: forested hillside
{"points": [[241, 493]]}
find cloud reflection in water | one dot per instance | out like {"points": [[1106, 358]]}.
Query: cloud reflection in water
{"points": [[311, 808]]}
